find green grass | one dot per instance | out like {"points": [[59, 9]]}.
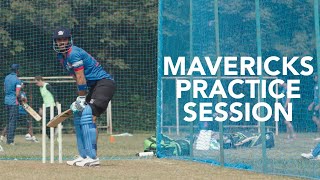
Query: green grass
{"points": [[126, 146]]}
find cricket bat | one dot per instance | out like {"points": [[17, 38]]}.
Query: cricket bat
{"points": [[60, 118], [31, 111]]}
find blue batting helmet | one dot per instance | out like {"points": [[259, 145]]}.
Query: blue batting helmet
{"points": [[60, 33]]}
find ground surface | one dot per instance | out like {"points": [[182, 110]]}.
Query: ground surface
{"points": [[119, 162], [127, 169]]}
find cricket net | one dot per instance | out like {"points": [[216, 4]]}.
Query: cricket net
{"points": [[193, 36], [122, 36]]}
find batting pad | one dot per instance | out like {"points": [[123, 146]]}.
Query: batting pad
{"points": [[88, 129], [79, 135]]}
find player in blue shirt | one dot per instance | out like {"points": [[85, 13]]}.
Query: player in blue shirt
{"points": [[314, 106], [95, 89], [12, 88], [23, 117], [285, 101]]}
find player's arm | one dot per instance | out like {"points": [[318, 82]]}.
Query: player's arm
{"points": [[81, 82], [79, 104], [78, 69], [18, 92], [287, 102], [310, 107], [18, 89], [77, 63]]}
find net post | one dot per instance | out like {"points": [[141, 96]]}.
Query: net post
{"points": [[177, 113], [277, 123]]}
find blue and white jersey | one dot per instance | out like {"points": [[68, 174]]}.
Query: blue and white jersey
{"points": [[77, 59], [11, 85]]}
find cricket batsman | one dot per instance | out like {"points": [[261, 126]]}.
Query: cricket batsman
{"points": [[95, 89]]}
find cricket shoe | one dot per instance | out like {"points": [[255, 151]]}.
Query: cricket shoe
{"points": [[317, 139], [73, 162], [34, 139], [28, 137], [309, 156], [88, 162]]}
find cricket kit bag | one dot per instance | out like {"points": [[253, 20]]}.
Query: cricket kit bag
{"points": [[240, 139], [169, 147]]}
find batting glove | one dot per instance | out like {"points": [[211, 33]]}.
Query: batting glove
{"points": [[73, 107], [79, 104]]}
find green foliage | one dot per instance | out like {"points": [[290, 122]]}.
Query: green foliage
{"points": [[120, 35], [138, 115], [285, 26]]}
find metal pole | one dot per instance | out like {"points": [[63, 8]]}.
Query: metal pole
{"points": [[191, 78], [159, 81], [261, 110], [316, 27], [177, 113], [217, 40]]}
